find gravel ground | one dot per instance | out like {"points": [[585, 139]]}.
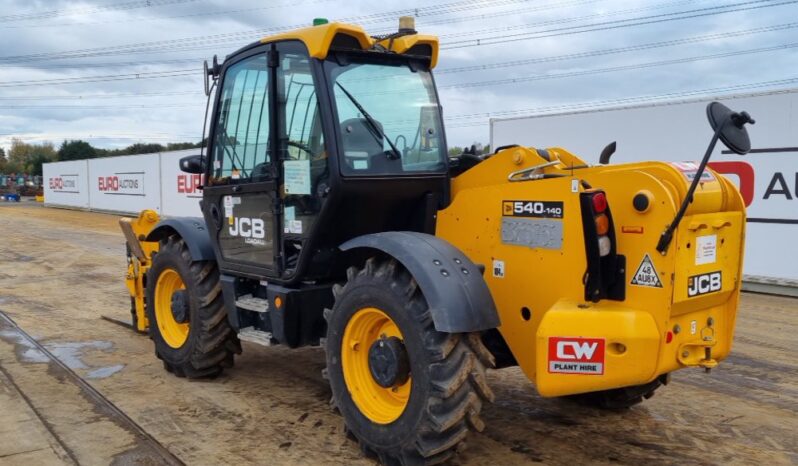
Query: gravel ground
{"points": [[60, 270]]}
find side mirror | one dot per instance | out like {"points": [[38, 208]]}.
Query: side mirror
{"points": [[732, 127], [193, 164], [729, 127]]}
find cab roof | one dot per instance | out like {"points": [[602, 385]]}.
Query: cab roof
{"points": [[319, 40]]}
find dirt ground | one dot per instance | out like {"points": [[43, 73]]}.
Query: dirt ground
{"points": [[61, 270]]}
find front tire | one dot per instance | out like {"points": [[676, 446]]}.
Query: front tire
{"points": [[429, 407], [188, 321]]}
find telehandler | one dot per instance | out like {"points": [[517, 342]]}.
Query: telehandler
{"points": [[333, 216]]}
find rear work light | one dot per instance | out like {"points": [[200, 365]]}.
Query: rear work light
{"points": [[605, 246], [605, 275]]}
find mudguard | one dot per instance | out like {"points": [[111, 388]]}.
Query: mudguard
{"points": [[193, 232], [457, 295]]}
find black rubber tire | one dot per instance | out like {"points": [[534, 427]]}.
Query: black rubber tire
{"points": [[447, 370], [211, 343], [620, 398]]}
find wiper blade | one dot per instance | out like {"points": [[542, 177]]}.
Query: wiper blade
{"points": [[378, 132]]}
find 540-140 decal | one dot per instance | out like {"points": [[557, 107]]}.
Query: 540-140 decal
{"points": [[537, 209]]}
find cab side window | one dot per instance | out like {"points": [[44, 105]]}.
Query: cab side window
{"points": [[301, 145], [241, 136]]}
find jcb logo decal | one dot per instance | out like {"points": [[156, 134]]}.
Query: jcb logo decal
{"points": [[253, 230], [576, 355], [704, 283]]}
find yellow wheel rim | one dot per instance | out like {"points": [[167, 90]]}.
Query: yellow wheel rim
{"points": [[381, 405], [173, 332]]}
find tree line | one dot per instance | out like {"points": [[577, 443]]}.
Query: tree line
{"points": [[477, 148], [25, 158]]}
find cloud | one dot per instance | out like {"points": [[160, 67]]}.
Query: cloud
{"points": [[177, 35]]}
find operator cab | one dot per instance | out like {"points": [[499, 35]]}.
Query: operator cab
{"points": [[312, 146]]}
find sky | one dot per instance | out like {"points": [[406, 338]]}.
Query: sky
{"points": [[117, 72]]}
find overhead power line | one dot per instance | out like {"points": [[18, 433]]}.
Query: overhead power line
{"points": [[617, 50], [619, 24], [170, 45], [143, 137], [293, 3], [104, 78], [463, 69], [92, 10], [192, 42], [100, 107], [136, 95], [610, 103], [389, 16], [472, 84], [569, 19], [638, 66]]}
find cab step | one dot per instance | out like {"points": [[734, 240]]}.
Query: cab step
{"points": [[253, 335], [251, 303]]}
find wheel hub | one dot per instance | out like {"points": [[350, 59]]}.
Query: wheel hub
{"points": [[388, 362], [179, 306]]}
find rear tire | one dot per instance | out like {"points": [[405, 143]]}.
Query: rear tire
{"points": [[447, 371], [620, 398], [210, 343]]}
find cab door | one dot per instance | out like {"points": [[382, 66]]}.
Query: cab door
{"points": [[239, 199]]}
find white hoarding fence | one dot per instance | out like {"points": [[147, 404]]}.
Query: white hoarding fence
{"points": [[125, 184], [67, 183], [679, 131], [180, 193]]}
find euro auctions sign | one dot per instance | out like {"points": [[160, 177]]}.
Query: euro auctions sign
{"points": [[64, 184], [574, 355], [130, 184], [188, 184]]}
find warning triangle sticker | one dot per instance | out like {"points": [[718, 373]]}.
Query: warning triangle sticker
{"points": [[646, 274]]}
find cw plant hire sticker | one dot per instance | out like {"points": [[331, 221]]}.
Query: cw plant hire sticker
{"points": [[646, 274], [576, 355]]}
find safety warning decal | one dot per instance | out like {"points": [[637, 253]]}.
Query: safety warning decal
{"points": [[690, 169], [646, 274], [706, 249], [574, 355]]}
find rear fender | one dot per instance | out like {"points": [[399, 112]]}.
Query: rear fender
{"points": [[457, 295]]}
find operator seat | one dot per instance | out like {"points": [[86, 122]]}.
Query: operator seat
{"points": [[363, 149]]}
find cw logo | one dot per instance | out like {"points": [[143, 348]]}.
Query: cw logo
{"points": [[572, 350]]}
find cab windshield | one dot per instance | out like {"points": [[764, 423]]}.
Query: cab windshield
{"points": [[388, 118]]}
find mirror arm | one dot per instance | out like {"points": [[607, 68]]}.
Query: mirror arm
{"points": [[667, 235]]}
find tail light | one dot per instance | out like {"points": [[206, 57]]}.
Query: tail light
{"points": [[602, 225], [599, 200], [605, 275]]}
